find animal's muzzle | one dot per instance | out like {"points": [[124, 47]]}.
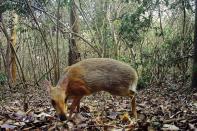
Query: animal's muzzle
{"points": [[62, 117]]}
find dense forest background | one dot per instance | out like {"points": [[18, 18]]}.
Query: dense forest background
{"points": [[155, 37], [39, 38]]}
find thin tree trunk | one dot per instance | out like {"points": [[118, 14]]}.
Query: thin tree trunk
{"points": [[184, 46], [8, 50], [3, 57], [34, 72], [57, 68], [194, 75], [73, 54], [0, 64], [115, 41], [14, 22], [184, 16], [160, 23]]}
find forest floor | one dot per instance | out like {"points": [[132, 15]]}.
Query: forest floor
{"points": [[159, 108]]}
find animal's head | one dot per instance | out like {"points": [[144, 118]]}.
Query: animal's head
{"points": [[58, 97]]}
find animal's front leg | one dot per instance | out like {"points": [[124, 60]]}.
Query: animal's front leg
{"points": [[75, 104], [78, 107]]}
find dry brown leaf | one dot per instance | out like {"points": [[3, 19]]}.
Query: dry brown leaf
{"points": [[168, 127]]}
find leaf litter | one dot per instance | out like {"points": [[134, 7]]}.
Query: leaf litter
{"points": [[159, 108]]}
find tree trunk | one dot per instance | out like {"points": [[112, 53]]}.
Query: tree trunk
{"points": [[160, 23], [0, 64], [194, 75], [57, 66], [73, 54], [32, 63], [8, 50], [14, 22]]}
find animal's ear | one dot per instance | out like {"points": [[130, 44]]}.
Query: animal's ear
{"points": [[47, 85], [64, 83]]}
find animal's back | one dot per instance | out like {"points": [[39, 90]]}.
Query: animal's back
{"points": [[105, 74]]}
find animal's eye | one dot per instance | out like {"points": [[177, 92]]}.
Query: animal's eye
{"points": [[53, 102]]}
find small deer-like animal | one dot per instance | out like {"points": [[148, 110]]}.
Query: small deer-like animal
{"points": [[90, 76]]}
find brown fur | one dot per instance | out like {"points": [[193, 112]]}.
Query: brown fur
{"points": [[97, 74]]}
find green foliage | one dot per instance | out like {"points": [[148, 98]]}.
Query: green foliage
{"points": [[7, 5], [20, 6], [124, 58], [67, 2], [143, 82], [3, 78], [133, 24], [178, 3]]}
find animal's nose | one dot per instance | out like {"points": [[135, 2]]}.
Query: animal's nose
{"points": [[62, 117]]}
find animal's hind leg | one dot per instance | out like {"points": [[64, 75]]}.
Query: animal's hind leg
{"points": [[133, 104]]}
